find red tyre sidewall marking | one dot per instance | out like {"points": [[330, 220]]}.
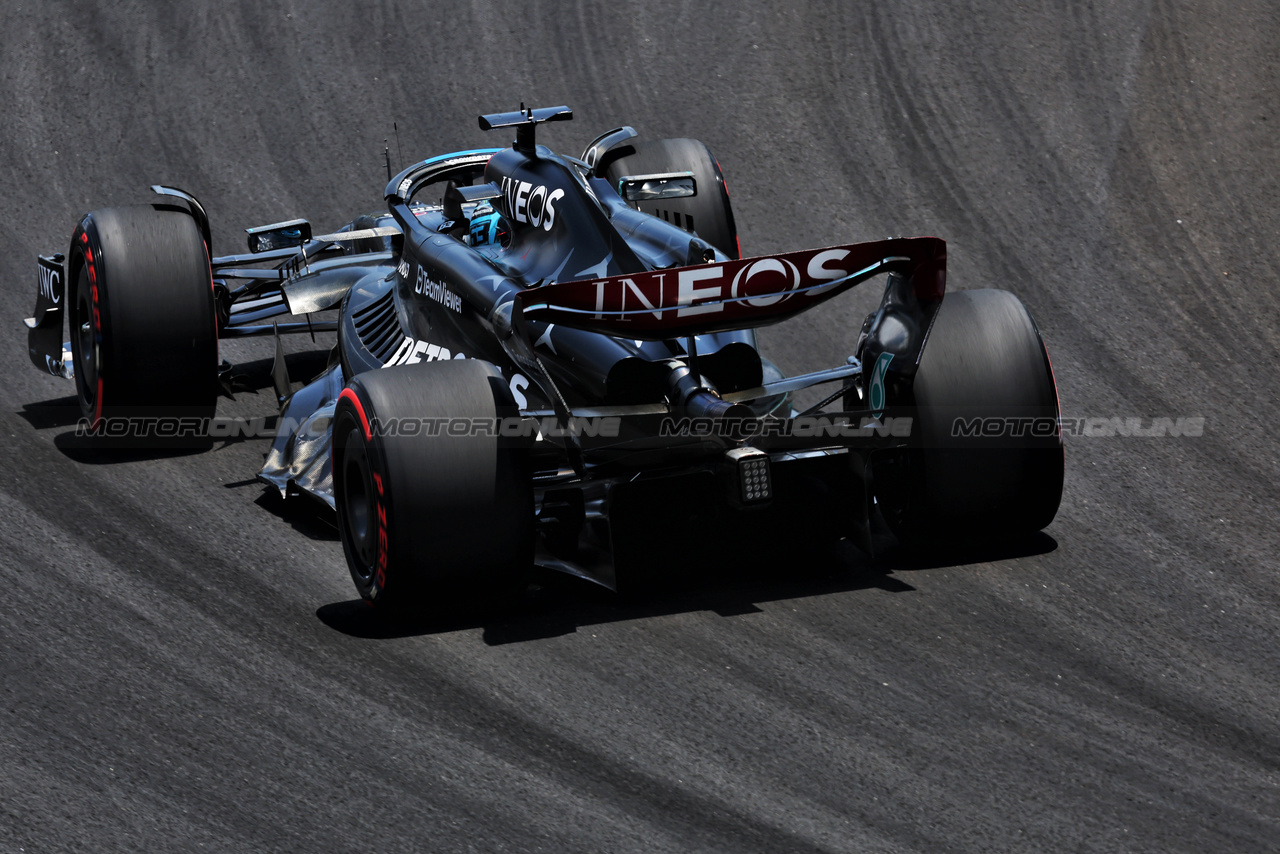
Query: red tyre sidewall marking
{"points": [[737, 241], [351, 397], [380, 577], [380, 504], [97, 326]]}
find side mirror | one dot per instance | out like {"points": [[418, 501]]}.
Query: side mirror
{"points": [[279, 235], [648, 188]]}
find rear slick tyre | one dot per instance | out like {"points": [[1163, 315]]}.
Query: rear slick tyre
{"points": [[986, 461], [430, 517]]}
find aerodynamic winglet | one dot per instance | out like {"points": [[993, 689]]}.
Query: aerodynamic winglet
{"points": [[525, 121]]}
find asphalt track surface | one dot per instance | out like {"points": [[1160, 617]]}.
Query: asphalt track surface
{"points": [[182, 666]]}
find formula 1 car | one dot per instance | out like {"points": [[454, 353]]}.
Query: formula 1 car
{"points": [[554, 360]]}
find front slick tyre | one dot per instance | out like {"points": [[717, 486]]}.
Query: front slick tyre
{"points": [[144, 337], [432, 516]]}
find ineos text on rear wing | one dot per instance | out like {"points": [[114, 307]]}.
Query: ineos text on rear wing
{"points": [[684, 301]]}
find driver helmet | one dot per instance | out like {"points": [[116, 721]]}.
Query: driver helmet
{"points": [[489, 228]]}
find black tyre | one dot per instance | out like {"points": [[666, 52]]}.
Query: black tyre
{"points": [[144, 336], [987, 455], [709, 213], [425, 518]]}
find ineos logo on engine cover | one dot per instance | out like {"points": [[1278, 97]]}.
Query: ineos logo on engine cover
{"points": [[529, 203]]}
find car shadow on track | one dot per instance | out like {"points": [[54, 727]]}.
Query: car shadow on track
{"points": [[554, 605], [305, 515], [50, 414], [64, 412], [1031, 545], [249, 377]]}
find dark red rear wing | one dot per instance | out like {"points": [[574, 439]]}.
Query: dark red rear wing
{"points": [[684, 301]]}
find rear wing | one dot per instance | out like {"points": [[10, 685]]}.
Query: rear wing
{"points": [[678, 302]]}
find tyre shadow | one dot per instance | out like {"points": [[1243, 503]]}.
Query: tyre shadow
{"points": [[49, 414], [247, 377], [91, 450], [1031, 545], [64, 412], [555, 604]]}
